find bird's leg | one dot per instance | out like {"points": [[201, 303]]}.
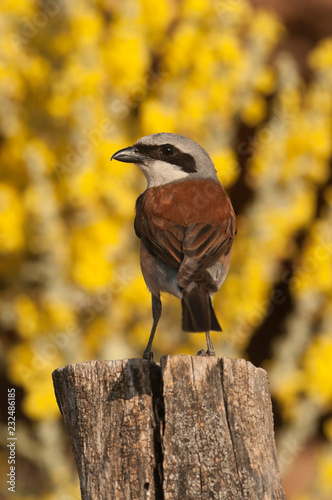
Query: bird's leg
{"points": [[210, 349], [156, 313]]}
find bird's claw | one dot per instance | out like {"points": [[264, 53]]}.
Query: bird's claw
{"points": [[201, 353], [210, 353], [205, 353], [148, 355]]}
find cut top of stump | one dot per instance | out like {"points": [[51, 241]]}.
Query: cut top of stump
{"points": [[194, 427]]}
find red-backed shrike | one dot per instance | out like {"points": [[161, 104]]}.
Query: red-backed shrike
{"points": [[186, 224]]}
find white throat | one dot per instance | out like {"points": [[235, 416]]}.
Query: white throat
{"points": [[159, 172]]}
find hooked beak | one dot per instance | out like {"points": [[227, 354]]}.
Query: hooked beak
{"points": [[128, 155]]}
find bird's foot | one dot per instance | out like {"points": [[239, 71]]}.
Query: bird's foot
{"points": [[205, 353], [148, 355], [210, 352], [201, 353]]}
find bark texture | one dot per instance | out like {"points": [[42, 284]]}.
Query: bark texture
{"points": [[192, 428]]}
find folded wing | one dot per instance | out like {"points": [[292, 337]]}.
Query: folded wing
{"points": [[190, 246]]}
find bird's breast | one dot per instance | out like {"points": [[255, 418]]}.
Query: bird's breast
{"points": [[184, 203]]}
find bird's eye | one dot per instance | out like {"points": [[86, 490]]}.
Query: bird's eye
{"points": [[167, 150]]}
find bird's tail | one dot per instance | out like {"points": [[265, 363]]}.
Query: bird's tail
{"points": [[197, 311]]}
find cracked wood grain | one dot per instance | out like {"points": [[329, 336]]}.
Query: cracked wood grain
{"points": [[192, 428], [107, 407], [218, 439]]}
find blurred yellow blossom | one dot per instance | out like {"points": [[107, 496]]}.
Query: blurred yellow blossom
{"points": [[126, 58], [317, 365], [254, 112], [266, 29], [228, 49], [288, 393], [156, 17], [40, 402], [325, 472], [58, 314], [28, 317], [92, 247], [266, 81], [321, 56], [157, 116], [11, 220], [180, 46], [78, 81], [327, 428], [227, 166], [196, 8]]}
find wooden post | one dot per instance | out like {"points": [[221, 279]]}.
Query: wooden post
{"points": [[192, 428]]}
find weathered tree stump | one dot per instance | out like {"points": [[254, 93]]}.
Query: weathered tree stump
{"points": [[192, 428]]}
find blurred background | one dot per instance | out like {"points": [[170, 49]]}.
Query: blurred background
{"points": [[251, 82]]}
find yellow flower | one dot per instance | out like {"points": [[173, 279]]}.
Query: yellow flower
{"points": [[33, 360], [92, 246], [36, 70], [39, 402], [317, 369], [58, 314], [314, 272], [254, 111], [196, 8], [265, 81], [327, 427], [21, 364], [321, 55], [186, 39], [97, 332], [192, 114], [228, 49], [328, 195], [11, 220], [320, 139], [155, 17], [325, 472], [87, 25], [288, 392], [136, 292], [126, 58], [87, 185], [265, 28], [59, 104], [157, 117], [232, 13], [227, 166], [28, 318]]}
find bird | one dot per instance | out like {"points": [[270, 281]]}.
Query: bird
{"points": [[186, 225]]}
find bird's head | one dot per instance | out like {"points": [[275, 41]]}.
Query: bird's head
{"points": [[165, 158]]}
